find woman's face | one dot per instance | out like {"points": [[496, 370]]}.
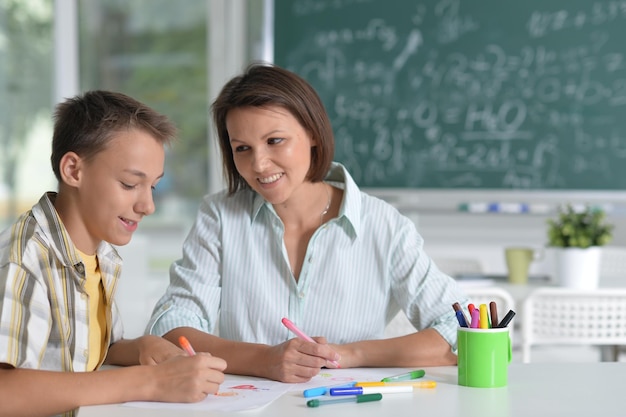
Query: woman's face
{"points": [[271, 150]]}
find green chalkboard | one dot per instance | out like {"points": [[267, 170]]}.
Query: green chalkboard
{"points": [[451, 94]]}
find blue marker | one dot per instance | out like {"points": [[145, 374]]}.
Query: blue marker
{"points": [[461, 318], [460, 315], [315, 392]]}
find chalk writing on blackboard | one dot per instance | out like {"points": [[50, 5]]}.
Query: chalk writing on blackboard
{"points": [[457, 94]]}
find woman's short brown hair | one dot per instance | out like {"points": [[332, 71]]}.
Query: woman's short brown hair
{"points": [[269, 85]]}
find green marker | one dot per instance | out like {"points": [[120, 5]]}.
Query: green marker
{"points": [[418, 373], [365, 398]]}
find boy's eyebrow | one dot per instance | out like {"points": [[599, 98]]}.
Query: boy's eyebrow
{"points": [[141, 173]]}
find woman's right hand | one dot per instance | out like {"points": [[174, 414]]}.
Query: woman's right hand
{"points": [[297, 360]]}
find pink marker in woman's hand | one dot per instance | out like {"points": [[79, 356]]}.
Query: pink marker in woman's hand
{"points": [[289, 324]]}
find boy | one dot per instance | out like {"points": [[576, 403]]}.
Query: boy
{"points": [[58, 271]]}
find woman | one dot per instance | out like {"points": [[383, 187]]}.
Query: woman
{"points": [[294, 237]]}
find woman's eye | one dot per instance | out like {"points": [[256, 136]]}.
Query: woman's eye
{"points": [[274, 141], [127, 186], [241, 148]]}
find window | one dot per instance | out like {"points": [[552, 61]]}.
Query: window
{"points": [[156, 52], [26, 62]]}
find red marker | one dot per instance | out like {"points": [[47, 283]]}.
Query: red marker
{"points": [[471, 307]]}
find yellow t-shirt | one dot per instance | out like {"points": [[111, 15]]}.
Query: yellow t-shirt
{"points": [[97, 310]]}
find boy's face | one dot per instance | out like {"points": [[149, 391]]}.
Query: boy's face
{"points": [[115, 189]]}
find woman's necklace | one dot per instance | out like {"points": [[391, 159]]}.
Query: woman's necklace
{"points": [[325, 211]]}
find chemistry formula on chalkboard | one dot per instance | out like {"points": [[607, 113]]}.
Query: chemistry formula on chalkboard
{"points": [[489, 94]]}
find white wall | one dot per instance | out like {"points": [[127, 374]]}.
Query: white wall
{"points": [[484, 237], [450, 233]]}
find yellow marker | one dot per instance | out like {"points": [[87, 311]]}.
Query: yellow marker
{"points": [[420, 384], [484, 316]]}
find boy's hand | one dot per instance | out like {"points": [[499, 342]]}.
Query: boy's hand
{"points": [[187, 378]]}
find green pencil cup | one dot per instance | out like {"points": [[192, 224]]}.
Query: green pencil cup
{"points": [[483, 357]]}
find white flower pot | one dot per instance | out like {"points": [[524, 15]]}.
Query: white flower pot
{"points": [[578, 268]]}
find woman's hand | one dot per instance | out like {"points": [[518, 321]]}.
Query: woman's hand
{"points": [[155, 349], [297, 360]]}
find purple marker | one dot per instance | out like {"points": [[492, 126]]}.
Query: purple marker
{"points": [[475, 318]]}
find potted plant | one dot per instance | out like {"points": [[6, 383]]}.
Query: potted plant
{"points": [[577, 234]]}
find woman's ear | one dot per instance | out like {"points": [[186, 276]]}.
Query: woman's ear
{"points": [[70, 169], [312, 139]]}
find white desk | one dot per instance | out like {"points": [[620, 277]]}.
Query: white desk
{"points": [[559, 389]]}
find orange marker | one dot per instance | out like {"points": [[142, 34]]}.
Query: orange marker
{"points": [[184, 343]]}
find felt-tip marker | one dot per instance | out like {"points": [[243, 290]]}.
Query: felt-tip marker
{"points": [[460, 315], [493, 308], [507, 319], [316, 392], [353, 399], [475, 319], [418, 373], [483, 322], [184, 343], [414, 384], [371, 390], [289, 324], [461, 318]]}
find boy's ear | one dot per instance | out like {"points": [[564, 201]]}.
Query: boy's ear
{"points": [[70, 168]]}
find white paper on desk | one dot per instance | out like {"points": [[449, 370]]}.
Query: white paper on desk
{"points": [[235, 394]]}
